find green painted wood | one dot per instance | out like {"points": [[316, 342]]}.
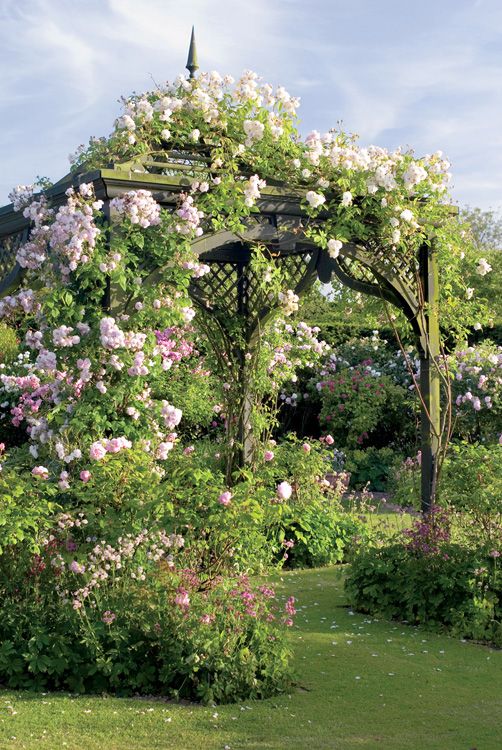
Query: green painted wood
{"points": [[430, 377]]}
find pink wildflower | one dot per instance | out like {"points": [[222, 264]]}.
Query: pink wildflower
{"points": [[182, 599], [225, 498], [207, 619], [290, 606]]}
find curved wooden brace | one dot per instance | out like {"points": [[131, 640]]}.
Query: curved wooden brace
{"points": [[391, 289]]}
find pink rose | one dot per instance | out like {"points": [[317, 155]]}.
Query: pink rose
{"points": [[97, 451], [306, 447], [329, 440], [268, 455], [284, 491], [85, 475], [40, 471]]}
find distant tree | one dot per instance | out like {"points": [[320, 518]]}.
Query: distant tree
{"points": [[485, 228], [484, 233]]}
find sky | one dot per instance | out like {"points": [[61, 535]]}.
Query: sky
{"points": [[425, 74]]}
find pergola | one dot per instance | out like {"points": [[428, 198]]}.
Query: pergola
{"points": [[231, 291]]}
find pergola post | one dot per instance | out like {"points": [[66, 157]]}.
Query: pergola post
{"points": [[429, 376]]}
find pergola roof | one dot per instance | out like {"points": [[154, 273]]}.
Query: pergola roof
{"points": [[370, 270]]}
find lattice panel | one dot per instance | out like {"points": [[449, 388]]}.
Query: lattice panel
{"points": [[9, 245], [357, 270], [255, 298], [397, 274], [400, 264], [294, 267], [231, 289], [219, 289]]}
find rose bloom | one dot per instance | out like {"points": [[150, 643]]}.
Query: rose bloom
{"points": [[225, 498], [329, 440], [85, 475], [268, 455], [97, 451], [284, 490], [306, 447]]}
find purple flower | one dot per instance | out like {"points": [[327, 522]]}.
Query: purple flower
{"points": [[108, 617], [225, 498]]}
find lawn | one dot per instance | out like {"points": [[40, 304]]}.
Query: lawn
{"points": [[362, 683]]}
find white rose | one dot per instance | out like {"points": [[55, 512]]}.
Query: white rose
{"points": [[334, 247]]}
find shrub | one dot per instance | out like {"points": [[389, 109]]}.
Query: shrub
{"points": [[26, 509], [424, 578], [254, 526], [471, 478], [405, 482], [477, 390], [309, 527], [373, 467], [86, 615]]}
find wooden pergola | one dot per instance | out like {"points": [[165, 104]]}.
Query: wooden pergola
{"points": [[231, 289]]}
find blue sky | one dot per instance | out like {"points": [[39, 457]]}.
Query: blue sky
{"points": [[423, 74]]}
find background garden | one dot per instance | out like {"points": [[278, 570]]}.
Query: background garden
{"points": [[138, 554]]}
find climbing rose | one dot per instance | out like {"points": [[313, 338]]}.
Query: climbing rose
{"points": [[284, 491], [139, 207], [483, 267], [315, 199], [334, 247], [97, 451]]}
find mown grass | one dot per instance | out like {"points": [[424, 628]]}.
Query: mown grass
{"points": [[362, 683]]}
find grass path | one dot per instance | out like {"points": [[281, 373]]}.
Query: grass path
{"points": [[363, 684]]}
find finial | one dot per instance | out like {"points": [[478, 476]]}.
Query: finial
{"points": [[192, 64]]}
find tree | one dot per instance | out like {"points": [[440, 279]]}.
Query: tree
{"points": [[485, 228]]}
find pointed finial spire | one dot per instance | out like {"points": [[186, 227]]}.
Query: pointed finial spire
{"points": [[192, 64]]}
